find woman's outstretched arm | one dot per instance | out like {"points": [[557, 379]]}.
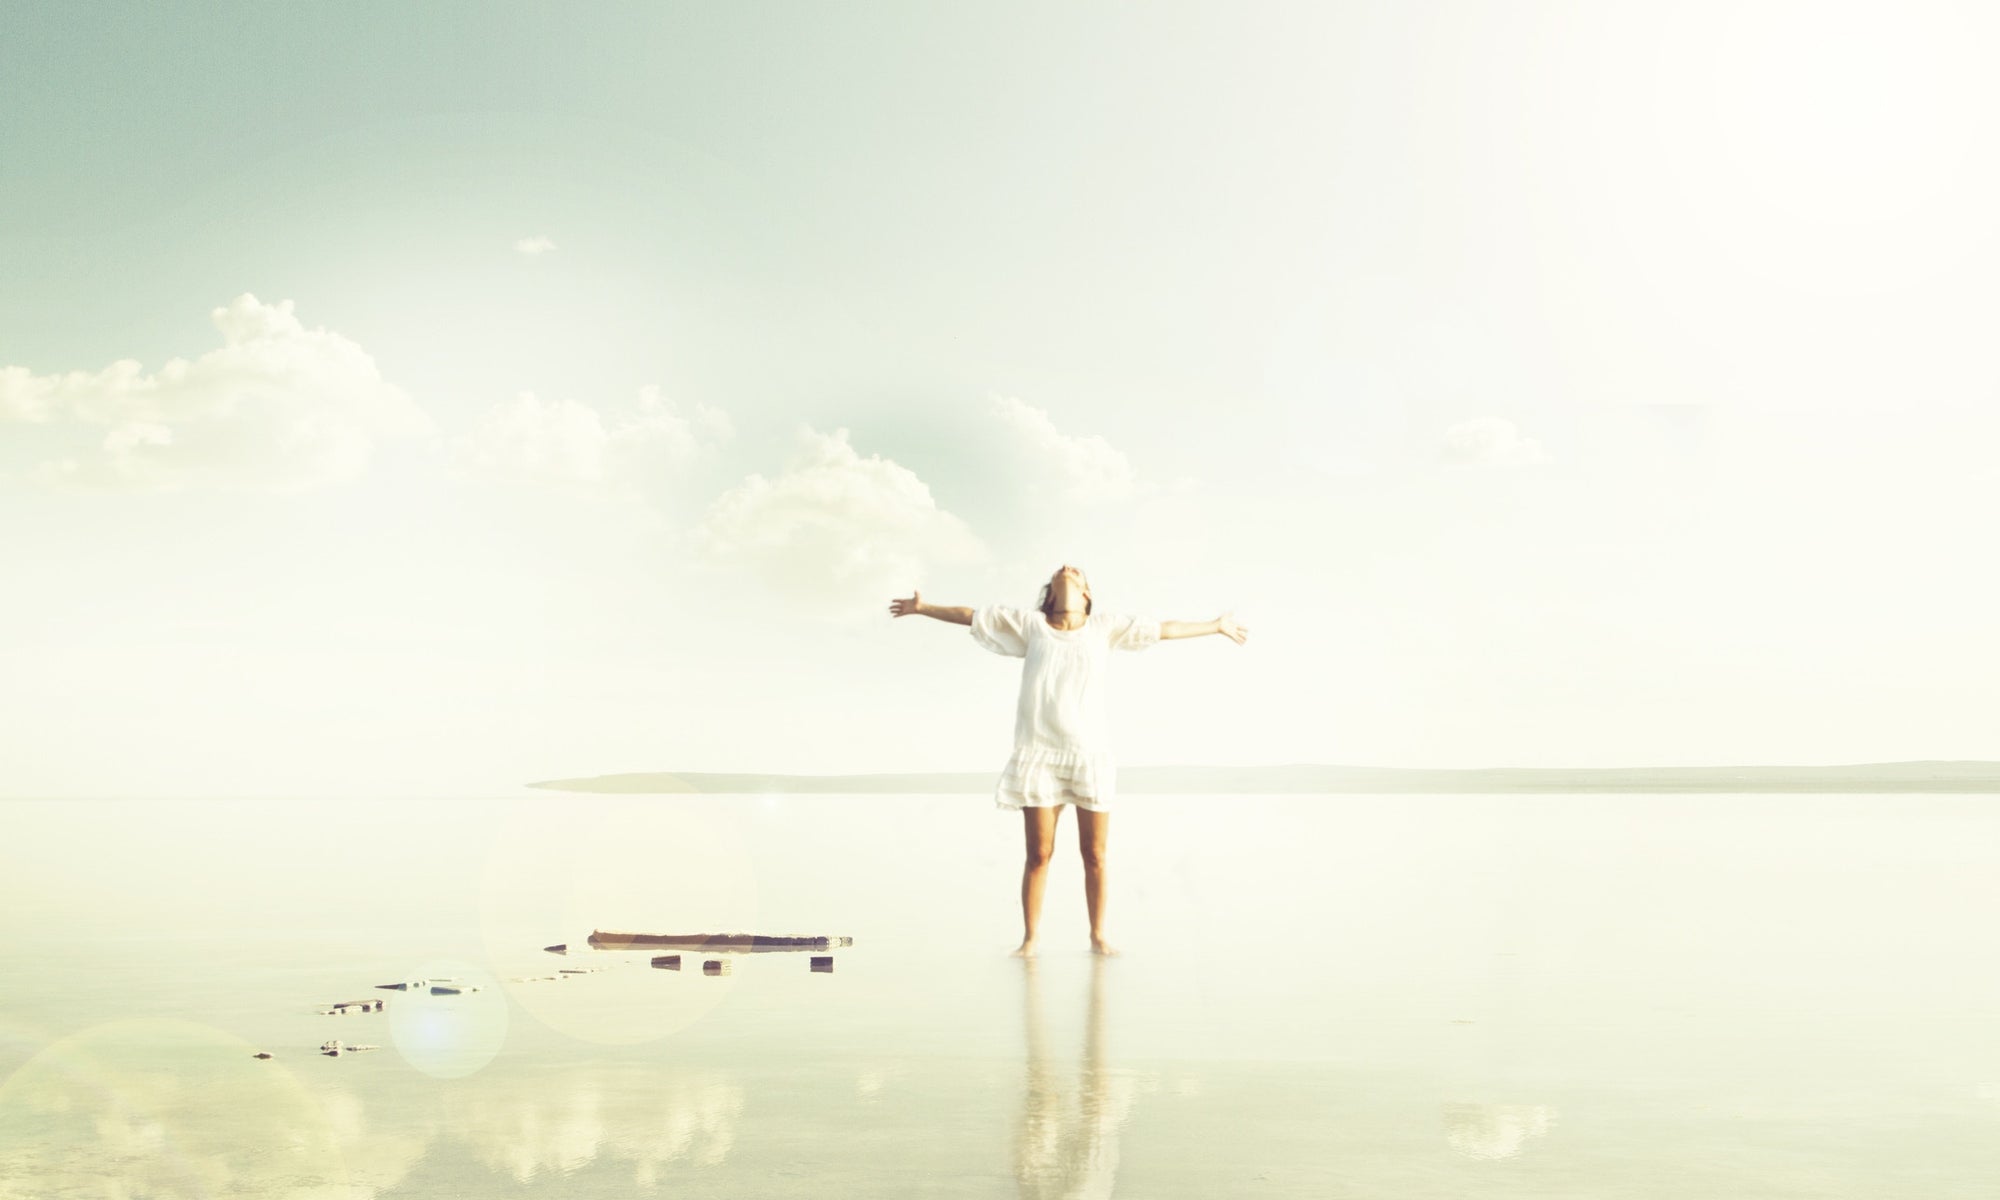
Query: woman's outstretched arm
{"points": [[1226, 625], [915, 606]]}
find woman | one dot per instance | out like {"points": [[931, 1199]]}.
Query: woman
{"points": [[1061, 752]]}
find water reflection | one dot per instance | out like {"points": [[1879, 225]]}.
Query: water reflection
{"points": [[1067, 1144], [167, 1108], [555, 871], [172, 1109], [1495, 1131], [637, 1118]]}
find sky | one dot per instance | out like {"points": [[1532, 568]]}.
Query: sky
{"points": [[428, 400]]}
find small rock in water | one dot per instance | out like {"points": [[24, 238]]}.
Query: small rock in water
{"points": [[261, 1054], [668, 962], [452, 991], [336, 1048], [715, 966], [822, 964], [558, 948]]}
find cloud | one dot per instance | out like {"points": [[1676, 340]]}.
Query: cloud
{"points": [[835, 529], [656, 435], [532, 441], [534, 246], [1493, 442], [27, 398], [526, 440], [1082, 468], [277, 408]]}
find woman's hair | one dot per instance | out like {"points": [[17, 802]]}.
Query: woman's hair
{"points": [[1042, 602]]}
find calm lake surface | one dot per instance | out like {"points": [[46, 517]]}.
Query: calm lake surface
{"points": [[1344, 996]]}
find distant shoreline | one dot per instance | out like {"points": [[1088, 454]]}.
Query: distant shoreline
{"points": [[1963, 776]]}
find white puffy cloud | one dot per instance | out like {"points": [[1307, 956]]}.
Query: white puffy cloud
{"points": [[835, 528], [657, 435], [278, 407], [1084, 468], [1493, 442], [533, 246], [529, 440], [26, 397]]}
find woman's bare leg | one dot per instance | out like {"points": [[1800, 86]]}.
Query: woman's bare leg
{"points": [[1093, 831], [1040, 825]]}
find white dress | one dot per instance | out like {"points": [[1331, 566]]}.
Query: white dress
{"points": [[1062, 752]]}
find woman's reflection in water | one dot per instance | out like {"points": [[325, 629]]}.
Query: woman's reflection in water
{"points": [[1068, 1140]]}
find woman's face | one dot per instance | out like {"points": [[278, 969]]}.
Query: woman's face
{"points": [[1068, 588]]}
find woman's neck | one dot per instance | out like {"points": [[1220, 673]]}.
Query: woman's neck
{"points": [[1060, 618]]}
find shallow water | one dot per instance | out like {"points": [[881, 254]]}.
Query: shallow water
{"points": [[1321, 995]]}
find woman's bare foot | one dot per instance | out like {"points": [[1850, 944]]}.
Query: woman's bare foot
{"points": [[1101, 947], [1026, 949]]}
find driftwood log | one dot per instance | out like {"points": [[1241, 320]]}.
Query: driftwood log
{"points": [[740, 943]]}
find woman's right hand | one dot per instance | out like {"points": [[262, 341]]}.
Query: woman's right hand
{"points": [[906, 608]]}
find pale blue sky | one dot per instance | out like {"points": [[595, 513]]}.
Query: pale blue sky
{"points": [[1545, 384]]}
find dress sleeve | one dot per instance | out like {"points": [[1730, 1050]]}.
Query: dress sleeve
{"points": [[1001, 629], [1133, 633]]}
